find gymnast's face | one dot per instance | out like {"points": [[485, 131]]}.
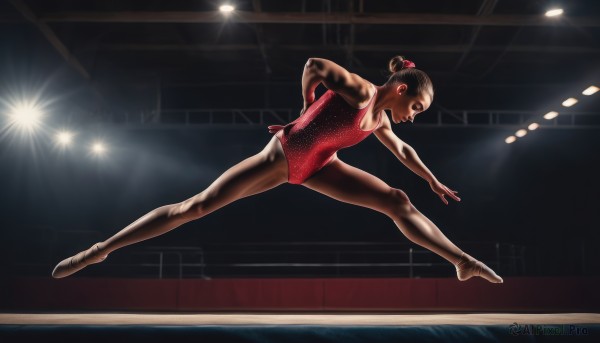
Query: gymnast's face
{"points": [[406, 107]]}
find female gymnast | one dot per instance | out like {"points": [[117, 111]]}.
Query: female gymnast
{"points": [[304, 152]]}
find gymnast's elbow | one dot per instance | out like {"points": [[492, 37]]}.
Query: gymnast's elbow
{"points": [[313, 62], [403, 151], [315, 66]]}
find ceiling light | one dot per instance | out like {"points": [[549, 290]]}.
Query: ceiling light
{"points": [[569, 102], [550, 115], [554, 12], [27, 116], [521, 133], [98, 148], [226, 9], [590, 90], [533, 126], [510, 139], [64, 137]]}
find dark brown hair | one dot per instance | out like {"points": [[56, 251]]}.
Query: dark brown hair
{"points": [[416, 80]]}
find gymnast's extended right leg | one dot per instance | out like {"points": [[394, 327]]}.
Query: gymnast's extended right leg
{"points": [[349, 184]]}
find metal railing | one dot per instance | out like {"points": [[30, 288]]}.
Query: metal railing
{"points": [[324, 259], [260, 117]]}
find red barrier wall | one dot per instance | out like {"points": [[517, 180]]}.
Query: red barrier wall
{"points": [[431, 294]]}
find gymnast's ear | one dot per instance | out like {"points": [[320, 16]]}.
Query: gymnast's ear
{"points": [[401, 88]]}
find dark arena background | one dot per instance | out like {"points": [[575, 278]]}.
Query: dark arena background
{"points": [[110, 109]]}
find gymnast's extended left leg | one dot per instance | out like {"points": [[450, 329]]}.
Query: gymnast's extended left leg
{"points": [[346, 183], [255, 174]]}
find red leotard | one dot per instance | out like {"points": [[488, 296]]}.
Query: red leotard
{"points": [[313, 139]]}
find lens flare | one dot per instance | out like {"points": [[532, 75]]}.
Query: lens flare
{"points": [[25, 116]]}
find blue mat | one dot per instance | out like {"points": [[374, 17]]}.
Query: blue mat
{"points": [[299, 333]]}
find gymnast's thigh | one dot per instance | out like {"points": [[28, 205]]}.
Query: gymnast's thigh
{"points": [[352, 185]]}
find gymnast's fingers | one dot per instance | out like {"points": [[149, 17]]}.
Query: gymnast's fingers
{"points": [[451, 194], [443, 199]]}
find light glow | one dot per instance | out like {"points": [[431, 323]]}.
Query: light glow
{"points": [[554, 12], [510, 139], [226, 9], [550, 115], [569, 102], [533, 126], [26, 116], [521, 133], [64, 138], [98, 148], [590, 90]]}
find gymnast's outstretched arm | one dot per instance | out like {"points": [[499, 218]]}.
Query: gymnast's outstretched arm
{"points": [[408, 156]]}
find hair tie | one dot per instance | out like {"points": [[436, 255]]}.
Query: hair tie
{"points": [[408, 64]]}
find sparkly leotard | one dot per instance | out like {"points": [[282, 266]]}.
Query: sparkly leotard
{"points": [[313, 139]]}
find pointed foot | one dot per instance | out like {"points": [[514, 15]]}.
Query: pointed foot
{"points": [[79, 261], [467, 267]]}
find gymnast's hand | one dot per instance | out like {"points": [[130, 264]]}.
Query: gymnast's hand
{"points": [[275, 128], [307, 104], [442, 190]]}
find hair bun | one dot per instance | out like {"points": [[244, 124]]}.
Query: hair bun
{"points": [[398, 63]]}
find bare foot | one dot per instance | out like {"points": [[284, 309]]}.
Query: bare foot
{"points": [[467, 267], [79, 261]]}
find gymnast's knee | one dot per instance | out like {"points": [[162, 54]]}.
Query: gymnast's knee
{"points": [[195, 207], [399, 205]]}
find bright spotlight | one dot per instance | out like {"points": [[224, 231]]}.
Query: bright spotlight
{"points": [[521, 133], [554, 12], [533, 126], [569, 102], [98, 148], [64, 138], [550, 115], [590, 90], [26, 116], [510, 139], [226, 9]]}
